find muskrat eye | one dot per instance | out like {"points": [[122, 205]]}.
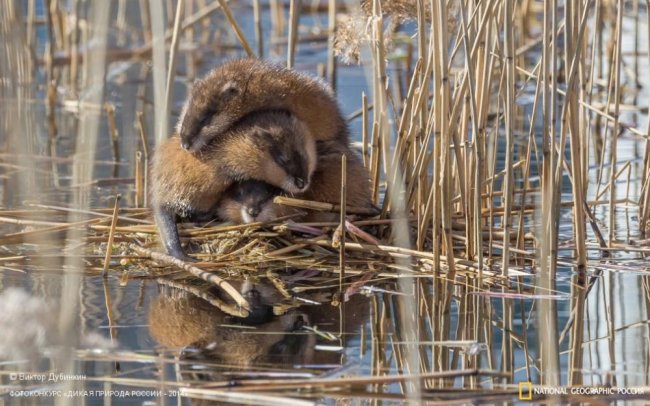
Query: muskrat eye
{"points": [[282, 160], [205, 119]]}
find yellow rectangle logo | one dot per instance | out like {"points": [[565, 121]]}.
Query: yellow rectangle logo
{"points": [[528, 386]]}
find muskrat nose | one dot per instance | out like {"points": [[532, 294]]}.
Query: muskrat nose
{"points": [[253, 211], [300, 182], [185, 145]]}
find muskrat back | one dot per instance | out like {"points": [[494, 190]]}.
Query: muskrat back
{"points": [[240, 87]]}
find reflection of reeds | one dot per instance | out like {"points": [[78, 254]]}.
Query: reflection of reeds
{"points": [[82, 174]]}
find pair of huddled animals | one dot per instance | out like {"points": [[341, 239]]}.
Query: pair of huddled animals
{"points": [[250, 131]]}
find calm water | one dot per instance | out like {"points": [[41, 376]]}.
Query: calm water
{"points": [[156, 321]]}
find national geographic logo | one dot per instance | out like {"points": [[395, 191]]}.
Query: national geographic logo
{"points": [[525, 391]]}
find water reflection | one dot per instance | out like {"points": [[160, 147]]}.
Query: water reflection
{"points": [[212, 346]]}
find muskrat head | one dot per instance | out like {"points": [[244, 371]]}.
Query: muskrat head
{"points": [[212, 106], [291, 150], [249, 201]]}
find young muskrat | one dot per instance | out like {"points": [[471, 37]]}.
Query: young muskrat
{"points": [[240, 87], [248, 202], [252, 201], [273, 146]]}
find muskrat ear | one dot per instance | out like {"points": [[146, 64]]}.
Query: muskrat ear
{"points": [[260, 133], [297, 125], [230, 89], [294, 121]]}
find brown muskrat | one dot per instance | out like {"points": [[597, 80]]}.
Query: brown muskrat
{"points": [[239, 87], [273, 147], [251, 201]]}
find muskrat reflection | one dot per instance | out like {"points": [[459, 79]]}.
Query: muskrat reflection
{"points": [[181, 320]]}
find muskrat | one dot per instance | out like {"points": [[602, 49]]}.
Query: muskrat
{"points": [[177, 319], [251, 201], [272, 146], [240, 87]]}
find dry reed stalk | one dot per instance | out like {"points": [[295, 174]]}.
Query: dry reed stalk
{"points": [[465, 186], [407, 128], [435, 199], [211, 299], [145, 20], [508, 182], [159, 69], [320, 206], [171, 66], [439, 199], [379, 91], [644, 202], [111, 236], [526, 172], [342, 225], [54, 21], [375, 156], [480, 149], [294, 17], [199, 273], [259, 32], [548, 346], [575, 26], [74, 48], [139, 179], [507, 364], [130, 229], [236, 28], [191, 59], [331, 33], [99, 212], [365, 152], [615, 130], [261, 385], [113, 136], [27, 222], [277, 18], [31, 16], [142, 131]]}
